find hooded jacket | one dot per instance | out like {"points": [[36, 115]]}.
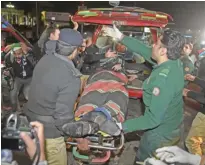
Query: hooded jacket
{"points": [[50, 47], [54, 89]]}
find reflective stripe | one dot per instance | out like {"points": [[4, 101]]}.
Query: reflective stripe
{"points": [[162, 74]]}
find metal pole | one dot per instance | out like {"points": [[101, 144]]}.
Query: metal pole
{"points": [[82, 30], [37, 21]]}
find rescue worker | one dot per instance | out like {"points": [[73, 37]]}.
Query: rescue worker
{"points": [[162, 92], [188, 65], [195, 141], [54, 90], [22, 64]]}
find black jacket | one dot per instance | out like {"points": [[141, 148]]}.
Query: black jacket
{"points": [[53, 92], [37, 51], [27, 64], [199, 96]]}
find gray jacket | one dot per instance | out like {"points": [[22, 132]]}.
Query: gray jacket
{"points": [[53, 92], [50, 47]]}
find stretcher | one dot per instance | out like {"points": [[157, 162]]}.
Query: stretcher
{"points": [[103, 145]]}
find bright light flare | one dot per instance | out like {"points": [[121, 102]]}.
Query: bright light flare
{"points": [[10, 6]]}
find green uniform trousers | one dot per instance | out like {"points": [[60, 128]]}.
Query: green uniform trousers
{"points": [[152, 140]]}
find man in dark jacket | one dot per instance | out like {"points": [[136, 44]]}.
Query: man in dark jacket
{"points": [[22, 70], [198, 96], [54, 90]]}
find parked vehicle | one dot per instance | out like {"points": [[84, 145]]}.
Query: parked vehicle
{"points": [[12, 35]]}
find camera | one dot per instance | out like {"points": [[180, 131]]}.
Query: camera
{"points": [[13, 125]]}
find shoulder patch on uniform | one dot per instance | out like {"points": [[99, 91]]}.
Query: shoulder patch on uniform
{"points": [[186, 69], [163, 74], [165, 71], [156, 91]]}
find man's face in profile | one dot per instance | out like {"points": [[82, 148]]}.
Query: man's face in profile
{"points": [[55, 35]]}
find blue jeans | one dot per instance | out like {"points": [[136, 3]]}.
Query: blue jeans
{"points": [[18, 83]]}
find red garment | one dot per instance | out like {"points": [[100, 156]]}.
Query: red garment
{"points": [[105, 89]]}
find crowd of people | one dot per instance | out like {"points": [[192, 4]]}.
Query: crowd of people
{"points": [[52, 83]]}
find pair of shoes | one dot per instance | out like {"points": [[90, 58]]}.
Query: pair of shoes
{"points": [[105, 125], [79, 129], [90, 124]]}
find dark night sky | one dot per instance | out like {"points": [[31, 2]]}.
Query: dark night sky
{"points": [[188, 15]]}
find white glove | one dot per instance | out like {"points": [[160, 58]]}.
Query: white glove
{"points": [[175, 154], [117, 67], [153, 161], [112, 32]]}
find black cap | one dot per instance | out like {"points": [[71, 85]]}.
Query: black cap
{"points": [[71, 37]]}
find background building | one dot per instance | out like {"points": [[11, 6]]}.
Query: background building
{"points": [[16, 16]]}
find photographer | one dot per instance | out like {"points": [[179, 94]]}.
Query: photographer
{"points": [[7, 158]]}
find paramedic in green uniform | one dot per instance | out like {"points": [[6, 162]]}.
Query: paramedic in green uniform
{"points": [[188, 65], [162, 91]]}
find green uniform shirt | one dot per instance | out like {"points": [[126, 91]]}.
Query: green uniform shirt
{"points": [[188, 66], [162, 93]]}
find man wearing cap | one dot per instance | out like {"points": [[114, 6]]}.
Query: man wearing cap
{"points": [[22, 66], [54, 90]]}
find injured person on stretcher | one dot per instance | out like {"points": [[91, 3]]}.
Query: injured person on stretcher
{"points": [[102, 105]]}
